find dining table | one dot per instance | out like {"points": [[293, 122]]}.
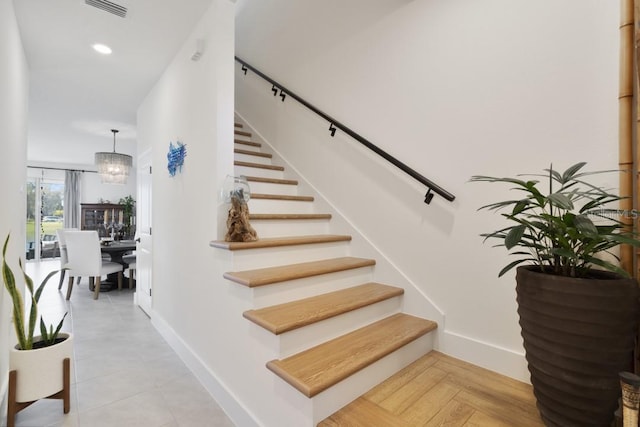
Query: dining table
{"points": [[116, 250]]}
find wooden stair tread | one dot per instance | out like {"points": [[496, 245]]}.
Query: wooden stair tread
{"points": [[271, 180], [282, 197], [316, 369], [249, 143], [238, 125], [272, 242], [296, 314], [252, 153], [259, 217], [258, 165], [241, 132], [269, 275]]}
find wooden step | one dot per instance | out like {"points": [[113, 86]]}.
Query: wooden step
{"points": [[258, 165], [253, 153], [243, 133], [316, 369], [271, 180], [286, 317], [238, 125], [270, 275], [273, 242], [287, 217], [249, 143], [282, 197]]}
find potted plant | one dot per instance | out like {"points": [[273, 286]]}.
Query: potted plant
{"points": [[128, 206], [40, 366], [578, 309]]}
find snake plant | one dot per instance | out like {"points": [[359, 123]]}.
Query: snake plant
{"points": [[563, 227], [25, 332]]}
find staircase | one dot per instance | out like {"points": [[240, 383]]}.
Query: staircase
{"points": [[337, 331]]}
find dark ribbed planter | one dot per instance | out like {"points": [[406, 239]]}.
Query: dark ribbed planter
{"points": [[578, 334]]}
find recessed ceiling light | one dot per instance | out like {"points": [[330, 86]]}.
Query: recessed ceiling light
{"points": [[103, 49]]}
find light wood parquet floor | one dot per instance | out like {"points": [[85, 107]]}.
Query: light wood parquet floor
{"points": [[438, 390]]}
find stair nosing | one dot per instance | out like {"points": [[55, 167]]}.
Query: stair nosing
{"points": [[261, 196], [271, 180], [320, 307], [272, 242], [287, 217], [270, 275], [258, 165], [300, 369], [249, 143], [253, 153]]}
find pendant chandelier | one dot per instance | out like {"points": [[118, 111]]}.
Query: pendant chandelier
{"points": [[113, 167]]}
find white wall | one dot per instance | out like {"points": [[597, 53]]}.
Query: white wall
{"points": [[453, 88], [14, 87], [193, 103]]}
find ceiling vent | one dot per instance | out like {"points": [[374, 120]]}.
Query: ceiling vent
{"points": [[108, 6]]}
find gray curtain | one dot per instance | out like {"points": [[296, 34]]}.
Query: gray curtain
{"points": [[72, 199]]}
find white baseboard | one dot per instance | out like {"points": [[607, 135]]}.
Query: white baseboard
{"points": [[240, 415], [501, 360]]}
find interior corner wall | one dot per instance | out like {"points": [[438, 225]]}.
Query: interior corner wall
{"points": [[453, 88], [14, 87]]}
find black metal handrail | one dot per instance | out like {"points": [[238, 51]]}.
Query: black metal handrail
{"points": [[334, 124]]}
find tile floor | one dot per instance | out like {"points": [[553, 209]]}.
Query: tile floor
{"points": [[125, 374]]}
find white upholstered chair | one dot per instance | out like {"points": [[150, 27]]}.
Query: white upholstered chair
{"points": [[131, 262], [64, 259], [85, 259]]}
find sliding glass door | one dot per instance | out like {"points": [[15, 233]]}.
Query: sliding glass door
{"points": [[45, 198]]}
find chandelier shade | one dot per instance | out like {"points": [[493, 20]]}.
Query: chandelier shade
{"points": [[113, 167]]}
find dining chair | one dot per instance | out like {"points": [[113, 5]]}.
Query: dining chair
{"points": [[85, 259], [131, 262], [64, 259]]}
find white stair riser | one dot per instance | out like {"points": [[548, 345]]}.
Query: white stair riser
{"points": [[336, 397], [270, 188], [250, 259], [303, 338], [264, 173], [252, 159], [301, 227], [292, 290], [280, 206]]}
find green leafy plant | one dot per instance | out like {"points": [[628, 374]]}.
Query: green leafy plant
{"points": [[561, 231], [25, 335]]}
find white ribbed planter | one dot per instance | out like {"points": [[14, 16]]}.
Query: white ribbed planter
{"points": [[40, 371]]}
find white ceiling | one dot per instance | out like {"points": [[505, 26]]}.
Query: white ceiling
{"points": [[76, 94]]}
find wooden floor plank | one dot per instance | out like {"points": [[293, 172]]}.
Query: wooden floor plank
{"points": [[400, 379], [286, 317], [408, 395], [429, 404], [451, 415], [362, 413], [491, 399], [316, 369]]}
